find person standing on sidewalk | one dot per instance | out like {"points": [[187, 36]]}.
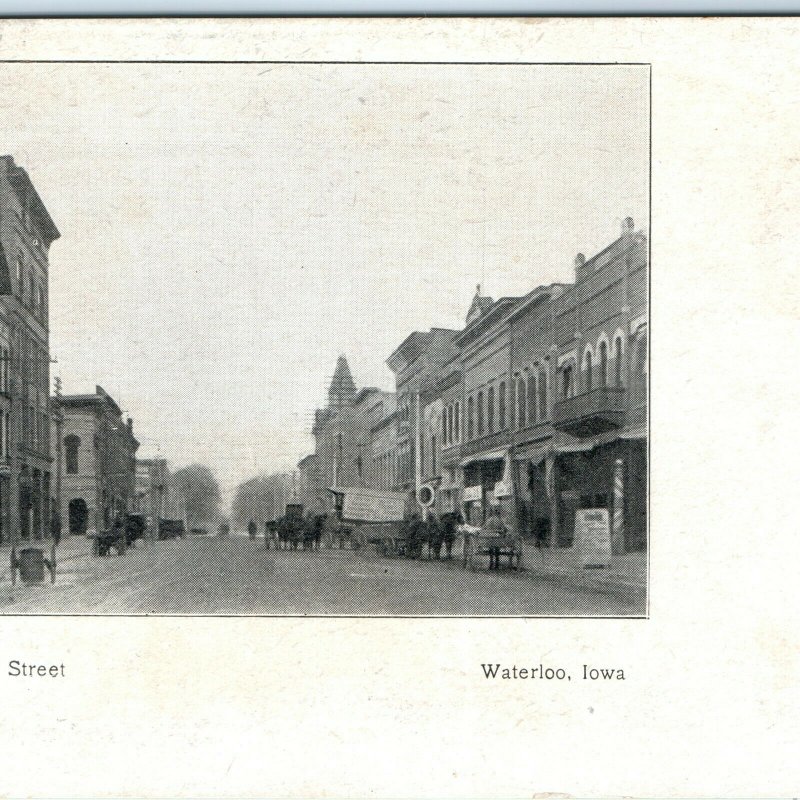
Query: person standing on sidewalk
{"points": [[251, 529], [55, 527], [495, 528]]}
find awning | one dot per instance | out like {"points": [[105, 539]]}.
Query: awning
{"points": [[494, 455], [534, 454], [634, 433]]}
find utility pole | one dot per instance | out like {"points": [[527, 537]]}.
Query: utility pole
{"points": [[59, 420]]}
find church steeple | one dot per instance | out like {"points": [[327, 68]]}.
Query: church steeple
{"points": [[343, 388]]}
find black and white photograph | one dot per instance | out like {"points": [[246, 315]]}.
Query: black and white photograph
{"points": [[310, 339]]}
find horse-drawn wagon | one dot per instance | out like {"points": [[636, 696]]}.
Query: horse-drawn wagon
{"points": [[478, 544], [371, 517]]}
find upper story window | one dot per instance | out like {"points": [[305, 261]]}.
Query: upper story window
{"points": [[567, 381], [588, 371], [470, 418], [31, 291], [501, 405], [532, 398], [445, 415], [480, 413], [490, 409], [42, 303], [457, 423], [618, 361], [542, 394], [603, 355], [433, 455], [522, 411], [72, 445]]}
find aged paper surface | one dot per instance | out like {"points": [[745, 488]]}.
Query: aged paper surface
{"points": [[689, 688]]}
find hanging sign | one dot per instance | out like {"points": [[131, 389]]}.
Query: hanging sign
{"points": [[502, 489], [593, 536]]}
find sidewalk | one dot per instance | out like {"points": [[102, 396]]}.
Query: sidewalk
{"points": [[626, 572]]}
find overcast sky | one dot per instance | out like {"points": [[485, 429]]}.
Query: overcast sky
{"points": [[228, 230]]}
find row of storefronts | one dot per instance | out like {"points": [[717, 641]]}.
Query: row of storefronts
{"points": [[538, 406]]}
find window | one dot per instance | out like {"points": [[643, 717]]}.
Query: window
{"points": [[42, 301], [470, 418], [490, 409], [433, 455], [522, 411], [457, 424], [618, 361], [444, 426], [72, 444], [638, 381], [567, 381], [603, 364], [542, 394], [31, 291], [480, 413], [20, 271], [501, 406], [588, 363], [532, 398]]}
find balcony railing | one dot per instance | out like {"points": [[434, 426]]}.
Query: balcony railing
{"points": [[596, 411]]}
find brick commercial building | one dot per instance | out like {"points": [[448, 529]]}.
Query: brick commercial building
{"points": [[26, 233], [600, 411], [99, 462], [538, 407]]}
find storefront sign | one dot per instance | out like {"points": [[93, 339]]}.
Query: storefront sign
{"points": [[593, 536], [472, 493], [371, 506]]}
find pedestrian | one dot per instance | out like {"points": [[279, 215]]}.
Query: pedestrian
{"points": [[448, 523], [435, 536], [319, 526], [55, 527], [495, 528], [414, 536], [251, 529]]}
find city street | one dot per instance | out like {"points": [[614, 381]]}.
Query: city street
{"points": [[234, 575]]}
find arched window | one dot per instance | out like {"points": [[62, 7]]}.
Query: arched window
{"points": [[522, 411], [444, 426], [72, 444], [618, 361], [470, 418], [542, 394], [588, 374], [603, 363], [480, 413], [457, 424], [532, 398], [567, 382], [490, 409], [501, 406], [638, 381]]}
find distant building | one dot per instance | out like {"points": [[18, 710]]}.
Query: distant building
{"points": [[344, 453], [26, 233], [99, 461], [152, 490]]}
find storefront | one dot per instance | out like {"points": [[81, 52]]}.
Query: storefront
{"points": [[604, 472], [486, 484]]}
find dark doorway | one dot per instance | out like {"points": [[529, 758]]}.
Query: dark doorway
{"points": [[78, 515]]}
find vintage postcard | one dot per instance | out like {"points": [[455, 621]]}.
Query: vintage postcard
{"points": [[336, 455]]}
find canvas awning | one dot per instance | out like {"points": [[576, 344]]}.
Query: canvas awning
{"points": [[634, 433], [494, 455], [534, 454]]}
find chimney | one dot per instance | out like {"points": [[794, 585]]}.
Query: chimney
{"points": [[580, 270], [627, 227], [129, 423]]}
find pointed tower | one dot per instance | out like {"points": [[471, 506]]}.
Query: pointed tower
{"points": [[480, 304], [342, 389]]}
